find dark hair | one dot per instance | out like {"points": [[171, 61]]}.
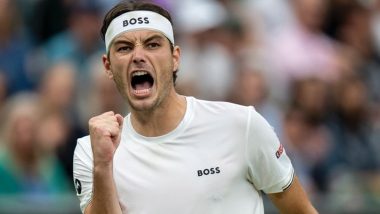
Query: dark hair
{"points": [[127, 6]]}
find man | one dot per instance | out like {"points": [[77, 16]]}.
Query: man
{"points": [[174, 154]]}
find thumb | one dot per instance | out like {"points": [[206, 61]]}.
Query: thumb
{"points": [[120, 120]]}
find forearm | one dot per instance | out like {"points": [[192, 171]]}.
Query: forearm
{"points": [[294, 200], [105, 135], [104, 198]]}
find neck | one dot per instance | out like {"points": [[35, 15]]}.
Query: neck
{"points": [[163, 119]]}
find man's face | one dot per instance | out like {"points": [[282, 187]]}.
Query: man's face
{"points": [[142, 64]]}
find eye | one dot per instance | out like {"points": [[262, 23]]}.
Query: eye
{"points": [[124, 48], [153, 45]]}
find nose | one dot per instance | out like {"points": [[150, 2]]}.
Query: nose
{"points": [[138, 55]]}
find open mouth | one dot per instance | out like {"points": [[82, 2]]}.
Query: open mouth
{"points": [[142, 82]]}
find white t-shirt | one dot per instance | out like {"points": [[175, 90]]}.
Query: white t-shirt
{"points": [[217, 160]]}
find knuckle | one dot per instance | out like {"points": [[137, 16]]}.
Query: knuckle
{"points": [[109, 113]]}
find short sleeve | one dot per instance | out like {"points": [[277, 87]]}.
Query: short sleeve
{"points": [[82, 171], [270, 169]]}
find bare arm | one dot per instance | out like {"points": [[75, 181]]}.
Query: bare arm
{"points": [[293, 200], [104, 198], [105, 132]]}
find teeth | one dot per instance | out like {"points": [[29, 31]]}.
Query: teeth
{"points": [[144, 91], [139, 73]]}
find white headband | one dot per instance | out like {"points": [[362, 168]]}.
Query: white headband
{"points": [[137, 20]]}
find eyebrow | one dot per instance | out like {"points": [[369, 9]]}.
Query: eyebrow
{"points": [[120, 42], [149, 39], [153, 37]]}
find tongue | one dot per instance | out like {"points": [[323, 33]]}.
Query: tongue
{"points": [[143, 85]]}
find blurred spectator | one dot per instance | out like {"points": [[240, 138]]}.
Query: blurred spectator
{"points": [[351, 129], [294, 136], [57, 92], [14, 49], [206, 66], [269, 16], [236, 32], [102, 96], [355, 122], [80, 41], [250, 88], [353, 163], [57, 88], [349, 23], [302, 50], [27, 168], [58, 128], [354, 24], [311, 96], [306, 133]]}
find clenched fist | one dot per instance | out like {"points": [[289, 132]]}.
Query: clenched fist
{"points": [[105, 134]]}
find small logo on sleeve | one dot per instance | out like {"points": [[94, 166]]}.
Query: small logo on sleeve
{"points": [[279, 151], [78, 186]]}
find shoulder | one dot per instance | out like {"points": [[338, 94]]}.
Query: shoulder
{"points": [[220, 106], [229, 114], [229, 111]]}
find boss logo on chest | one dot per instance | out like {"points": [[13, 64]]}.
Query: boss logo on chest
{"points": [[133, 21], [210, 171]]}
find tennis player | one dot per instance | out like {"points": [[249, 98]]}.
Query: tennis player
{"points": [[174, 154]]}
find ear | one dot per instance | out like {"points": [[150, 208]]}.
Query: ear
{"points": [[176, 57], [107, 66]]}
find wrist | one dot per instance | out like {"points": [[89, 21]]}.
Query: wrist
{"points": [[102, 166]]}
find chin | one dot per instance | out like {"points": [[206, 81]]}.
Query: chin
{"points": [[147, 104]]}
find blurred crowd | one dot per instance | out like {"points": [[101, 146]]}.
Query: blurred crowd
{"points": [[310, 67]]}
